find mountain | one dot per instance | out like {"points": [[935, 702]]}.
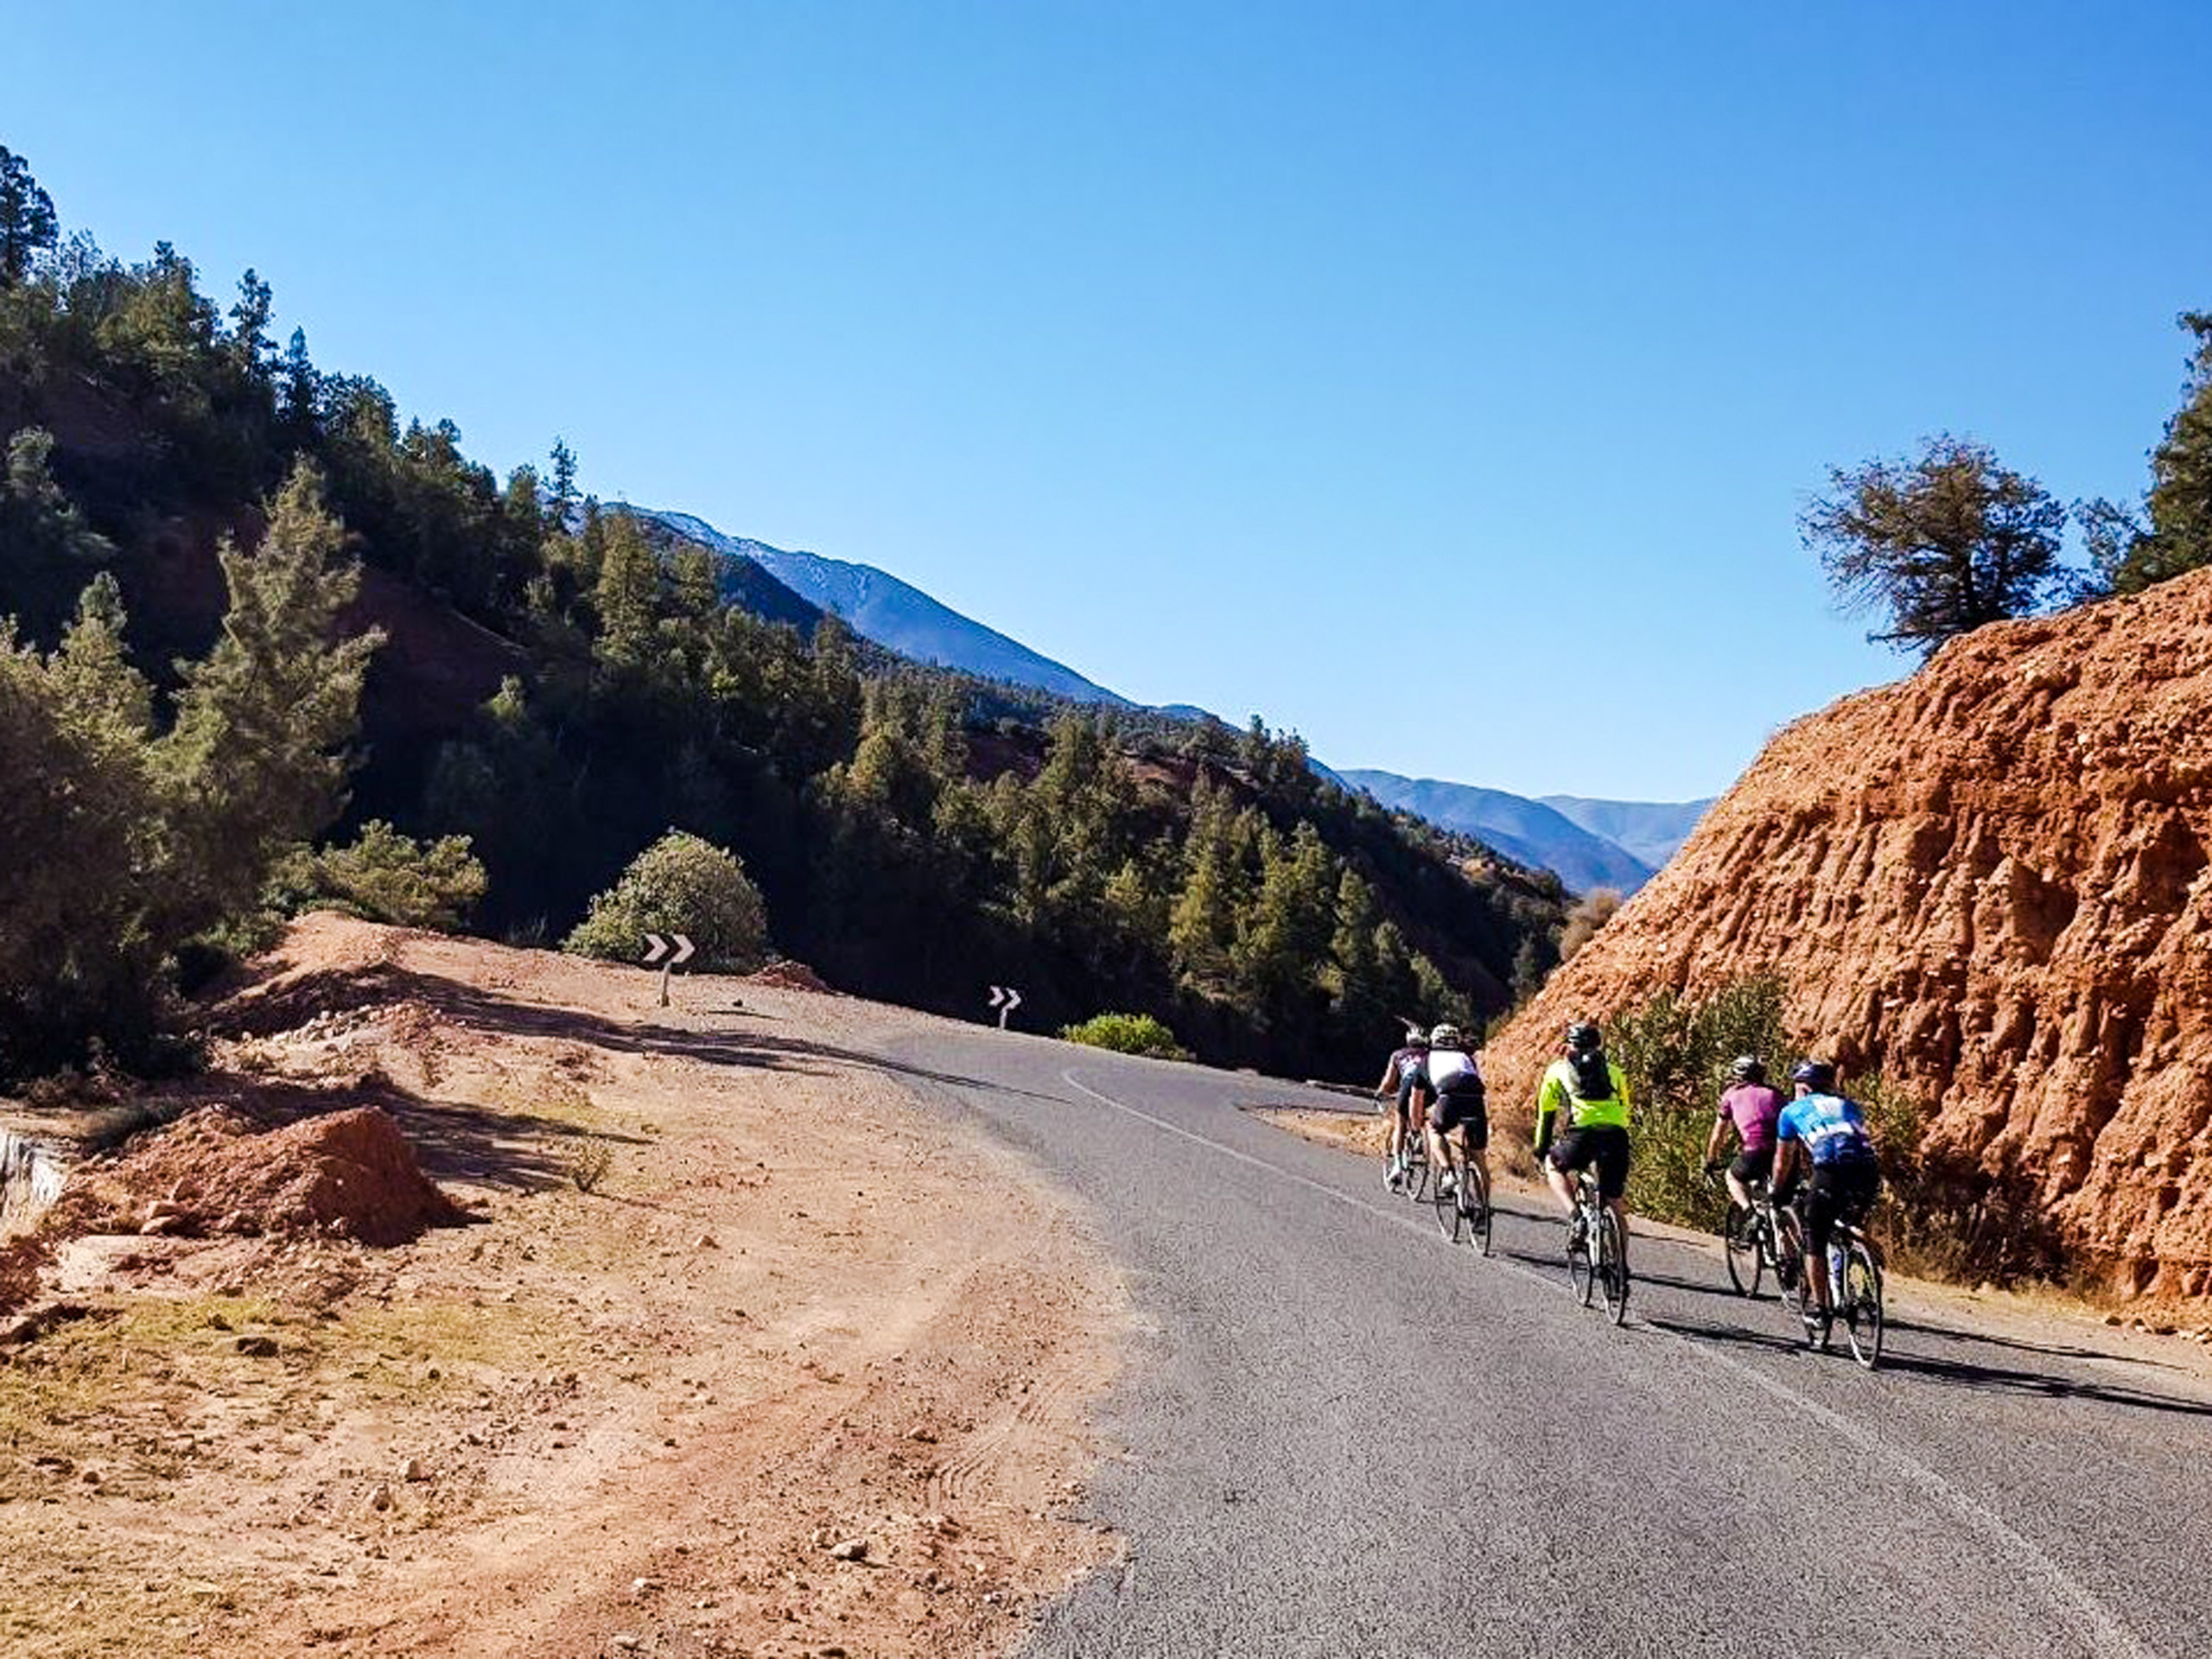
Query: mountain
{"points": [[877, 605], [1987, 884], [1648, 830], [1531, 831]]}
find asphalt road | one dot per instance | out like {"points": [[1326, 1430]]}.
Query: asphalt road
{"points": [[1338, 1435]]}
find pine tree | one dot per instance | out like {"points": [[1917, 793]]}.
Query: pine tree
{"points": [[627, 595], [256, 758], [27, 223]]}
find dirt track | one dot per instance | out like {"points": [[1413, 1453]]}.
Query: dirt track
{"points": [[794, 1321]]}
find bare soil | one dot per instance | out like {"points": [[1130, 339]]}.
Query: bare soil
{"points": [[706, 1341]]}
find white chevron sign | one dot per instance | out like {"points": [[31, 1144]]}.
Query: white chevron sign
{"points": [[658, 949], [1006, 999]]}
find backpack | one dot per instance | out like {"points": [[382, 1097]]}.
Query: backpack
{"points": [[1592, 1077]]}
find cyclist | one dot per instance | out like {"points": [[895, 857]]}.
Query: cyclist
{"points": [[1455, 1082], [1405, 1079], [1590, 1090], [1823, 1129], [1749, 1106]]}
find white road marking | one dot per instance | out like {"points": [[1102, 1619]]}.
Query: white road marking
{"points": [[2097, 1623]]}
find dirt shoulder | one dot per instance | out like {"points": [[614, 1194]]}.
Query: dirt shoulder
{"points": [[805, 1370]]}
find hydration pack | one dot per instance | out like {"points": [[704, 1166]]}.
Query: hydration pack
{"points": [[1593, 1078]]}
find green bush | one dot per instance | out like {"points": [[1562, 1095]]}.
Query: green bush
{"points": [[1127, 1033], [1676, 1059], [388, 877], [679, 885]]}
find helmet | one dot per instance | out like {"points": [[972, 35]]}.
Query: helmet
{"points": [[1445, 1037], [1746, 1068], [1817, 1075], [1583, 1038]]}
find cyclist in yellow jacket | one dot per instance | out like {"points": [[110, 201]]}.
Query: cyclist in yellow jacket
{"points": [[1589, 1090]]}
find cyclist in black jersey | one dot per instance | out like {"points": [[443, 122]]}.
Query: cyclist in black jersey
{"points": [[1406, 1081]]}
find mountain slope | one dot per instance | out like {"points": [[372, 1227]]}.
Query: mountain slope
{"points": [[1989, 884], [1527, 830], [877, 605], [1648, 830]]}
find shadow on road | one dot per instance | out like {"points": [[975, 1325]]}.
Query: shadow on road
{"points": [[1957, 1373]]}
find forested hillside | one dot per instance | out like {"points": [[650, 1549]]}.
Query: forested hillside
{"points": [[256, 610]]}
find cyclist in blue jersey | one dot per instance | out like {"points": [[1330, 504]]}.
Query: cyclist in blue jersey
{"points": [[1825, 1135]]}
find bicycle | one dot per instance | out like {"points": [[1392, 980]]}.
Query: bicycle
{"points": [[1855, 1290], [1597, 1257], [1761, 1241], [1414, 1172], [1463, 1210]]}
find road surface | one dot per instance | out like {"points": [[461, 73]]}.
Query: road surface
{"points": [[1338, 1435]]}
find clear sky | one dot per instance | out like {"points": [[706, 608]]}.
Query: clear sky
{"points": [[1440, 381]]}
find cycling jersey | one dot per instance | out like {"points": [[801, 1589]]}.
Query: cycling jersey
{"points": [[1452, 1071], [1752, 1107], [1556, 1094], [1832, 1129]]}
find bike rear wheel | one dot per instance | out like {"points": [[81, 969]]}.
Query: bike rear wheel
{"points": [[1790, 1261], [1612, 1265], [1416, 1171], [1475, 1212], [1447, 1201], [1858, 1303], [1580, 1272], [1739, 1242]]}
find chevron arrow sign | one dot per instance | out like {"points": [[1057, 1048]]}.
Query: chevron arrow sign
{"points": [[1006, 999]]}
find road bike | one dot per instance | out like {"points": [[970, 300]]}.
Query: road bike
{"points": [[1855, 1290], [1463, 1209], [1759, 1242], [1415, 1150], [1597, 1256]]}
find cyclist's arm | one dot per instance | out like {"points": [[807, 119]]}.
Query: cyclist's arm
{"points": [[1785, 1166], [1388, 1086], [1713, 1142], [1547, 1103]]}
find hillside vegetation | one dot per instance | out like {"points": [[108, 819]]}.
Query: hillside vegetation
{"points": [[375, 629]]}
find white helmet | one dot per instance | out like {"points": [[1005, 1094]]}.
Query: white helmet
{"points": [[1446, 1037]]}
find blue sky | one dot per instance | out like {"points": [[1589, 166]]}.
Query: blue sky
{"points": [[1440, 381]]}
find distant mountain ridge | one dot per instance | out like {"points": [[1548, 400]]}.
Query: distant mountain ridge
{"points": [[1587, 844], [877, 605]]}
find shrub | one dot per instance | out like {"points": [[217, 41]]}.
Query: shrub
{"points": [[1127, 1033], [679, 885], [388, 877]]}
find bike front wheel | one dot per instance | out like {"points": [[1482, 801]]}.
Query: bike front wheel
{"points": [[1739, 1242], [1475, 1212], [1858, 1304], [1612, 1265], [1790, 1261], [1446, 1200], [1580, 1273]]}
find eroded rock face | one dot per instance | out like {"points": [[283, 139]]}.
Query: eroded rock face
{"points": [[1989, 882]]}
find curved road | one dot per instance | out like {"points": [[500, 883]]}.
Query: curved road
{"points": [[1341, 1436]]}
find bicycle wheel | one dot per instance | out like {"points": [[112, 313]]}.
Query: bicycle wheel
{"points": [[1476, 1213], [1417, 1172], [1790, 1261], [1445, 1199], [1739, 1242], [1579, 1274], [1612, 1265], [1858, 1303]]}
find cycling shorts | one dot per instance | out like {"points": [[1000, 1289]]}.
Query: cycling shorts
{"points": [[1414, 1087], [1750, 1167], [1847, 1189], [1466, 1109], [1602, 1145]]}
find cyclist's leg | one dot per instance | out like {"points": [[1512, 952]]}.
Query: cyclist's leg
{"points": [[1437, 1125], [1559, 1168], [1816, 1208], [1613, 1181]]}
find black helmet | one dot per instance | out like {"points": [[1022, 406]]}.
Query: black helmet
{"points": [[1583, 1038], [1816, 1075], [1747, 1068]]}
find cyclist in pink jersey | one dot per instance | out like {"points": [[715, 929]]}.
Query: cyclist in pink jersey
{"points": [[1750, 1107]]}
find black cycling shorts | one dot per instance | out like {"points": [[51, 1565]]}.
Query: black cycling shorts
{"points": [[1462, 1108], [1836, 1190], [1414, 1087], [1750, 1167], [1605, 1145]]}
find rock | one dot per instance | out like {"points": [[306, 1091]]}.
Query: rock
{"points": [[254, 1345], [852, 1549], [414, 1469], [626, 1642], [644, 1587], [380, 1499], [1984, 881], [705, 1242]]}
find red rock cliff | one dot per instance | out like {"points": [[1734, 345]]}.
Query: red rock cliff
{"points": [[1988, 882]]}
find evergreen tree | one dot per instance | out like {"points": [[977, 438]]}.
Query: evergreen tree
{"points": [[626, 596], [256, 759], [1941, 543], [2179, 538], [27, 223]]}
